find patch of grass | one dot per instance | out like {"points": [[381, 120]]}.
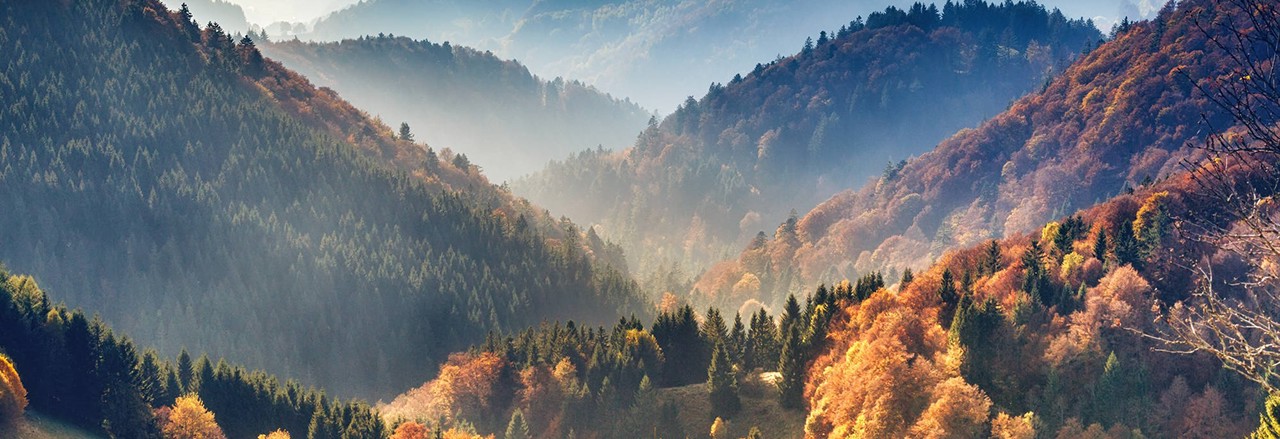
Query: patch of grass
{"points": [[37, 426], [760, 408]]}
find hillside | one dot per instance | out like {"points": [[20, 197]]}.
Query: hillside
{"points": [[36, 426], [697, 187], [66, 375], [656, 52], [196, 194], [505, 119], [1146, 315], [1122, 116]]}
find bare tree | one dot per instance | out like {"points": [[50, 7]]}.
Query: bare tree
{"points": [[1237, 320]]}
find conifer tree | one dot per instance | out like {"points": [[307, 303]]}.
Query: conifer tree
{"points": [[991, 261], [791, 367], [790, 314], [907, 277], [722, 384], [949, 296], [760, 339], [405, 134], [737, 342], [1126, 247], [185, 371], [517, 428], [1100, 245]]}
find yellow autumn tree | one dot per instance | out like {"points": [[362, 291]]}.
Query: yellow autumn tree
{"points": [[13, 396], [959, 409], [278, 434], [719, 429], [188, 419], [1013, 427]]}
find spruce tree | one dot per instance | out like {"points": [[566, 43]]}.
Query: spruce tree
{"points": [[907, 277], [991, 261], [185, 371], [737, 342], [790, 314], [722, 384], [1100, 245], [517, 428], [763, 342], [791, 367], [405, 134], [949, 296]]}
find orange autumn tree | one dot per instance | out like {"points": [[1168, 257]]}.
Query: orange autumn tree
{"points": [[464, 388], [188, 419], [13, 396], [410, 430]]}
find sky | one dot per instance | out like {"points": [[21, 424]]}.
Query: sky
{"points": [[1104, 12]]}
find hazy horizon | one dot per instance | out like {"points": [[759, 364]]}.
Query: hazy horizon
{"points": [[618, 66]]}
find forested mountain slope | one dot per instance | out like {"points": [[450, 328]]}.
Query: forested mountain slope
{"points": [[701, 184], [505, 119], [76, 369], [196, 194], [656, 52], [1122, 115], [1151, 314]]}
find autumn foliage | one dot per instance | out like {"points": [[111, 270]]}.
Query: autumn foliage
{"points": [[1069, 361], [1122, 116], [13, 396], [188, 419]]}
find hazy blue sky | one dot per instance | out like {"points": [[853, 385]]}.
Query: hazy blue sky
{"points": [[1104, 12], [638, 63]]}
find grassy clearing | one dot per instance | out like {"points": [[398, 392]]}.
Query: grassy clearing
{"points": [[37, 426], [760, 408]]}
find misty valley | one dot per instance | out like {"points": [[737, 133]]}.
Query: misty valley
{"points": [[412, 219]]}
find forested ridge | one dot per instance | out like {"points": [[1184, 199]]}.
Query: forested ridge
{"points": [[76, 368], [197, 194], [507, 120], [699, 185], [1122, 116]]}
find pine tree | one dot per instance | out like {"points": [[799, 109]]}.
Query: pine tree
{"points": [[991, 261], [737, 342], [1035, 281], [949, 297], [907, 277], [791, 367], [517, 428], [1127, 248], [714, 330], [1100, 245], [678, 335], [973, 329], [185, 372], [405, 134], [790, 314], [722, 384]]}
